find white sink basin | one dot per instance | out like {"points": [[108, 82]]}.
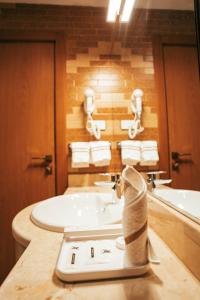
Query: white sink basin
{"points": [[78, 209], [186, 200]]}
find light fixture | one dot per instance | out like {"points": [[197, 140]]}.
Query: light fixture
{"points": [[113, 10], [120, 7], [127, 10]]}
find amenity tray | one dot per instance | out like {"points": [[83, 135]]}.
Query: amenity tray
{"points": [[92, 254]]}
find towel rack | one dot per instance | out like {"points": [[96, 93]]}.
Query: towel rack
{"points": [[69, 145], [119, 144]]}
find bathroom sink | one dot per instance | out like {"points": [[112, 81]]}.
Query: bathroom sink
{"points": [[186, 200], [78, 209]]}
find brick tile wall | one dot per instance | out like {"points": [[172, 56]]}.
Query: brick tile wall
{"points": [[112, 74]]}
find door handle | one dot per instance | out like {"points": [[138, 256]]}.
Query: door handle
{"points": [[177, 155], [178, 158], [47, 160]]}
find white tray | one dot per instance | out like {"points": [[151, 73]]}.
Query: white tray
{"points": [[102, 265]]}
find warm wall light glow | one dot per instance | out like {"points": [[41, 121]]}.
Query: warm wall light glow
{"points": [[127, 10], [113, 10]]}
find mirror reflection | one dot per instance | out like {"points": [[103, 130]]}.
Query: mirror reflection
{"points": [[155, 52]]}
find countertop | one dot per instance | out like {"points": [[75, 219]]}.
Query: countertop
{"points": [[33, 275]]}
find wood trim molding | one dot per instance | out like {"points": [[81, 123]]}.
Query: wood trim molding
{"points": [[60, 148], [60, 153], [197, 23], [158, 43], [162, 105]]}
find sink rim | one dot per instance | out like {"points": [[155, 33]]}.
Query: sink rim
{"points": [[55, 227]]}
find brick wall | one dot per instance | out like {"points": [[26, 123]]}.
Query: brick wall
{"points": [[90, 62]]}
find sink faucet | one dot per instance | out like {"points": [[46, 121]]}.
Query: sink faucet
{"points": [[151, 177], [117, 187], [150, 181]]}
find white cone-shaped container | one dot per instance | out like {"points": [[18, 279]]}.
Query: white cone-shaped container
{"points": [[135, 217]]}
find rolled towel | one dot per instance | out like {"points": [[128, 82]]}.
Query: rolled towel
{"points": [[149, 153], [100, 153], [134, 218], [130, 152], [80, 154]]}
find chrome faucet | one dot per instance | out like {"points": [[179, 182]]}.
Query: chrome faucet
{"points": [[151, 178], [117, 187], [150, 181]]}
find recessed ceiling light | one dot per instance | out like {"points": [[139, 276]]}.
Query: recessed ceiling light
{"points": [[127, 10], [113, 10]]}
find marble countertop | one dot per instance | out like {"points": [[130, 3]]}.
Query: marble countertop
{"points": [[33, 276]]}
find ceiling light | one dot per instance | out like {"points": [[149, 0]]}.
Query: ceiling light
{"points": [[113, 10], [127, 10]]}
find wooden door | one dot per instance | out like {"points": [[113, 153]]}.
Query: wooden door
{"points": [[182, 87], [26, 131]]}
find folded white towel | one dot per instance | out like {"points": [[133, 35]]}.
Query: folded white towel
{"points": [[130, 152], [149, 153], [80, 154], [100, 153]]}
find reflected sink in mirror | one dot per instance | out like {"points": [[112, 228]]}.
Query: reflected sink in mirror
{"points": [[78, 209], [186, 201]]}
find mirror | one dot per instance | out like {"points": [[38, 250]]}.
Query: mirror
{"points": [[155, 52]]}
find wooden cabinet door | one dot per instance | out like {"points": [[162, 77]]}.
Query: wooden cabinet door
{"points": [[183, 113], [26, 131]]}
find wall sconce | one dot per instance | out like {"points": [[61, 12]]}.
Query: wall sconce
{"points": [[92, 126], [121, 8], [134, 126]]}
